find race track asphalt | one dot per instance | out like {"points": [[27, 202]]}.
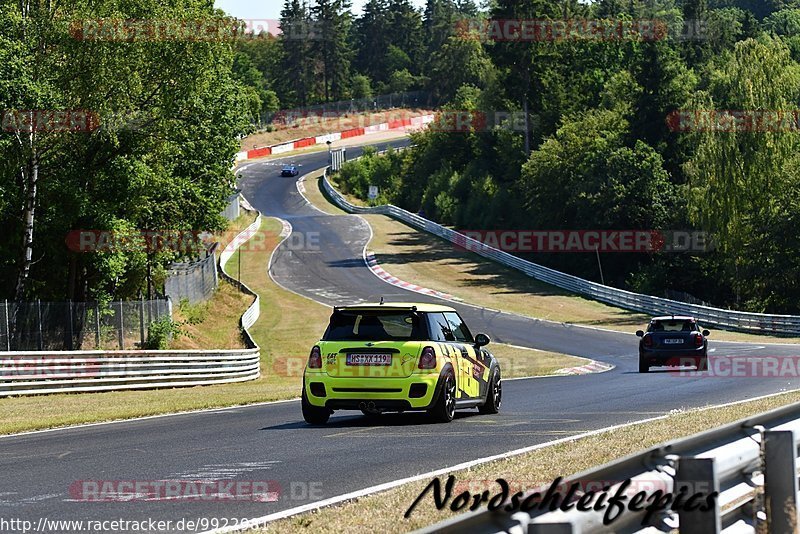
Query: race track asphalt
{"points": [[272, 443]]}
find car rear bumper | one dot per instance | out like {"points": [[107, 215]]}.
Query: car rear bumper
{"points": [[672, 357], [416, 392]]}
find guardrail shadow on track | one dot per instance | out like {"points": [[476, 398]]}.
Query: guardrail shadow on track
{"points": [[727, 319]]}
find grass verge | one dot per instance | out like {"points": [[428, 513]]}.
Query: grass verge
{"points": [[282, 332], [429, 261], [383, 512]]}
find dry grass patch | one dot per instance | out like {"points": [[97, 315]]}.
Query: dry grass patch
{"points": [[383, 512], [215, 323]]}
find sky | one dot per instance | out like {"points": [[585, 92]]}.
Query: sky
{"points": [[271, 9]]}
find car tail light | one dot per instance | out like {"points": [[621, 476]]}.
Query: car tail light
{"points": [[428, 358], [648, 341], [315, 359], [698, 340]]}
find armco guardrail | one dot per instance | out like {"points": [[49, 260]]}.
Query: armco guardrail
{"points": [[84, 371], [751, 463], [251, 315], [728, 319]]}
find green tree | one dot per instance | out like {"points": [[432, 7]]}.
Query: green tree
{"points": [[362, 86], [522, 65], [585, 177], [401, 81], [297, 75], [372, 35], [263, 100], [407, 32], [459, 62], [332, 18], [740, 177], [439, 24], [169, 113]]}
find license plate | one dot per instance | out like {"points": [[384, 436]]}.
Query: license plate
{"points": [[673, 341], [369, 359]]}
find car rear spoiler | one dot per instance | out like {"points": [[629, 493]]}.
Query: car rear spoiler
{"points": [[376, 307]]}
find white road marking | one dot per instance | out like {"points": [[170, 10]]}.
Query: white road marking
{"points": [[255, 522]]}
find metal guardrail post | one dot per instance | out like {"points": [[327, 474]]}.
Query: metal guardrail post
{"points": [[8, 329], [39, 313], [97, 325], [700, 475], [780, 481], [120, 335], [141, 321], [71, 333]]}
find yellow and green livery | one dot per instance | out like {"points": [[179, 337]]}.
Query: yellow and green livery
{"points": [[399, 357]]}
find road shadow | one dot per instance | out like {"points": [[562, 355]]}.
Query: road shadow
{"points": [[357, 420]]}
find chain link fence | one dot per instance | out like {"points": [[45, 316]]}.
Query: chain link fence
{"points": [[194, 281], [50, 326]]}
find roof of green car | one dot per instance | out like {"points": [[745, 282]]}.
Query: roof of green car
{"points": [[420, 306]]}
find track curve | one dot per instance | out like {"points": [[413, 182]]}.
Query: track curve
{"points": [[271, 442]]}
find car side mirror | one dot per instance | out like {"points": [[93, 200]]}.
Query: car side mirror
{"points": [[640, 333], [706, 333], [481, 340]]}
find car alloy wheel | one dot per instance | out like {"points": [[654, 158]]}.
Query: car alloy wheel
{"points": [[449, 392]]}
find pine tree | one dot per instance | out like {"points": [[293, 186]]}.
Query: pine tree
{"points": [[523, 62], [297, 79], [439, 23], [372, 34], [331, 46], [407, 31]]}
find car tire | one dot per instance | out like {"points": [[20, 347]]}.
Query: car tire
{"points": [[444, 410], [643, 367], [314, 415], [494, 395]]}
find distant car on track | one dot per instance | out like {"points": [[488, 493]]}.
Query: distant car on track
{"points": [[399, 357], [673, 340], [290, 170]]}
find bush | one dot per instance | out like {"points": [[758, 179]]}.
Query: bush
{"points": [[161, 332]]}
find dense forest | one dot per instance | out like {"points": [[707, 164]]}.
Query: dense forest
{"points": [[603, 146], [598, 148]]}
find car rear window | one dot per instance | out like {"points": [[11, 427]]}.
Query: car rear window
{"points": [[679, 325], [374, 326]]}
